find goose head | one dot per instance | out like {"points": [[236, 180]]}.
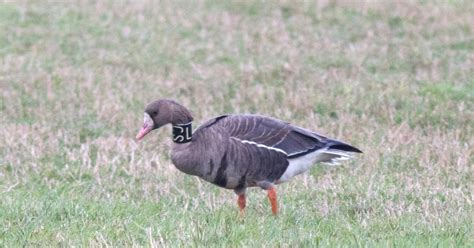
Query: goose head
{"points": [[162, 112]]}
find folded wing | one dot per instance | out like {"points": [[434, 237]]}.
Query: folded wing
{"points": [[271, 133]]}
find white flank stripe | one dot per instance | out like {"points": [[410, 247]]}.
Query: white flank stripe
{"points": [[260, 145]]}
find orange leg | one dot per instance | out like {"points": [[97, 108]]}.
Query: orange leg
{"points": [[272, 196], [241, 201]]}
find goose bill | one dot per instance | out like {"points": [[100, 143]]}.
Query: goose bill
{"points": [[147, 127]]}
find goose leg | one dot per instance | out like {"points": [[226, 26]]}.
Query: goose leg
{"points": [[272, 196], [241, 200]]}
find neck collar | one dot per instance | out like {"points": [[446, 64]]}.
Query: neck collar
{"points": [[182, 133]]}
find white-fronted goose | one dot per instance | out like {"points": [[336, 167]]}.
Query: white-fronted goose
{"points": [[241, 151]]}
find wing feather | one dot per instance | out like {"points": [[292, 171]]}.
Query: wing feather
{"points": [[270, 132]]}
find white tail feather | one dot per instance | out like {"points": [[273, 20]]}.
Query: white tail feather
{"points": [[301, 164], [339, 156]]}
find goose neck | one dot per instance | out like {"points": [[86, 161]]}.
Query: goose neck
{"points": [[182, 133]]}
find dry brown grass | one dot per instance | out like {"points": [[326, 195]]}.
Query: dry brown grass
{"points": [[395, 79]]}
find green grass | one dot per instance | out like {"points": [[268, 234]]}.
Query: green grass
{"points": [[395, 80]]}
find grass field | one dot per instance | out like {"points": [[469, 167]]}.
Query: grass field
{"points": [[395, 80]]}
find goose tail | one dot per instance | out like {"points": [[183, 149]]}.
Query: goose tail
{"points": [[336, 151]]}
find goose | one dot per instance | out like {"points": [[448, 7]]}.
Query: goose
{"points": [[238, 151]]}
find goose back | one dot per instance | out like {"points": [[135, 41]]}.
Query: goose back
{"points": [[269, 132]]}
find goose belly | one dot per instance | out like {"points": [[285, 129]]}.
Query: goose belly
{"points": [[299, 165]]}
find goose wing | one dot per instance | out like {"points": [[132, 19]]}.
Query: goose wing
{"points": [[270, 133]]}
